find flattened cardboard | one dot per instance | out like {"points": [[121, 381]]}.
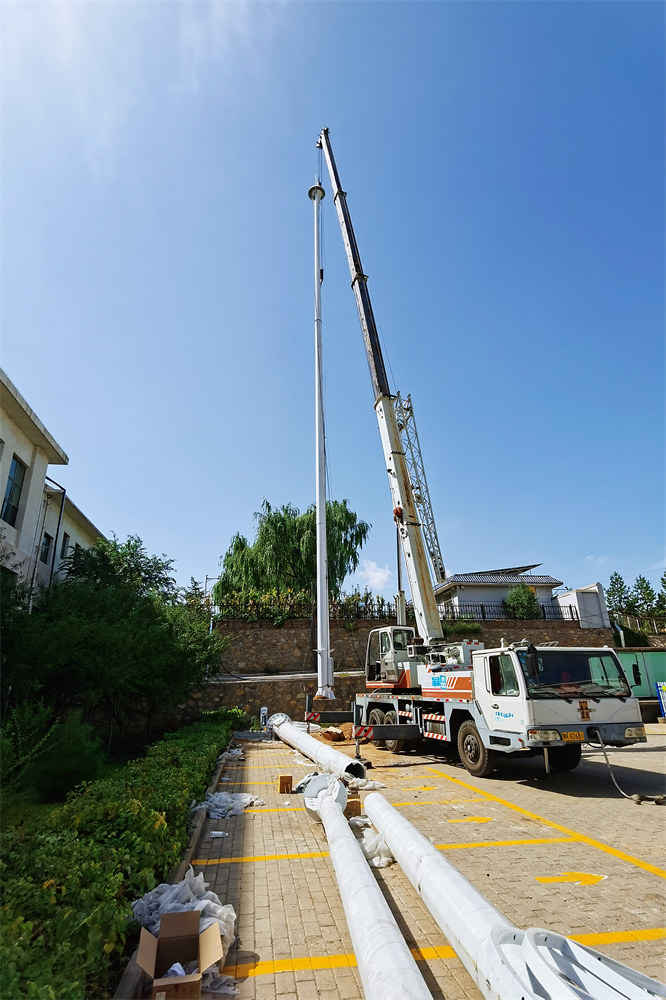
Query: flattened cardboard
{"points": [[179, 940]]}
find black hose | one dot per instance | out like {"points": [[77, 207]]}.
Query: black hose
{"points": [[638, 797]]}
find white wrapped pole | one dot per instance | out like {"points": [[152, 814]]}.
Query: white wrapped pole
{"points": [[464, 915], [386, 965], [504, 962], [326, 757]]}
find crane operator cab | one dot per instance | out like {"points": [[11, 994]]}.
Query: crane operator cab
{"points": [[387, 662]]}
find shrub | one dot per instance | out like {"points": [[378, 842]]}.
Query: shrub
{"points": [[67, 886], [74, 755], [522, 603]]}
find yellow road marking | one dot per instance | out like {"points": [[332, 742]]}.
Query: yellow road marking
{"points": [[580, 837], [258, 857], [246, 784], [421, 788], [348, 961], [279, 809], [579, 878], [620, 937], [322, 962], [324, 854], [507, 843], [472, 819], [436, 802]]}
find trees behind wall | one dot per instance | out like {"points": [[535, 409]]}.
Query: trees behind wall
{"points": [[640, 599], [284, 552]]}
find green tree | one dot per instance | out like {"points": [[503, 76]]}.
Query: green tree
{"points": [[522, 602], [660, 607], [284, 552], [617, 594], [643, 597], [115, 637]]}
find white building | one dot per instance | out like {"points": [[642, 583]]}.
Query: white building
{"points": [[38, 522], [481, 595], [589, 604]]}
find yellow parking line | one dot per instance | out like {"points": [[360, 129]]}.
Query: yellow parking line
{"points": [[246, 784], [258, 857], [506, 843], [472, 819], [580, 837], [436, 802], [347, 961], [322, 962], [620, 937], [280, 809]]}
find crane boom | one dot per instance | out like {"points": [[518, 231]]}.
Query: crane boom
{"points": [[409, 526]]}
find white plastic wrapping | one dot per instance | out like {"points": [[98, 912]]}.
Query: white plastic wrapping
{"points": [[190, 894], [220, 805], [328, 759], [385, 963]]}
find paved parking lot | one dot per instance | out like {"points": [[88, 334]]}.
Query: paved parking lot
{"points": [[565, 852]]}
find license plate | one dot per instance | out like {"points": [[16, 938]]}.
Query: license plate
{"points": [[574, 737]]}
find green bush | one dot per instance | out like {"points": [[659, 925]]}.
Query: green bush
{"points": [[67, 886], [521, 602], [74, 755]]}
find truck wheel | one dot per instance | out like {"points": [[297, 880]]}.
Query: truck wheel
{"points": [[565, 758], [478, 760], [376, 718], [395, 746]]}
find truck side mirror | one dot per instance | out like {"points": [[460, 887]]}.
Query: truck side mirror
{"points": [[531, 665], [637, 674]]}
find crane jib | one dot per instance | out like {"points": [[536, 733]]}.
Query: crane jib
{"points": [[373, 349]]}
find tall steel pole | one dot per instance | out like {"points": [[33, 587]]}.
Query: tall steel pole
{"points": [[324, 663]]}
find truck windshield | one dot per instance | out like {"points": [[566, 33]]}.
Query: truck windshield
{"points": [[572, 674]]}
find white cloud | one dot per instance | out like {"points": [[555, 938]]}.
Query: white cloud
{"points": [[86, 67], [596, 562], [372, 575]]}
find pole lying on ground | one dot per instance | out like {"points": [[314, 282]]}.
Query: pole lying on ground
{"points": [[504, 962], [386, 965], [328, 759]]}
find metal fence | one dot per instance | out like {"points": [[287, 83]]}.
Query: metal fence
{"points": [[488, 612]]}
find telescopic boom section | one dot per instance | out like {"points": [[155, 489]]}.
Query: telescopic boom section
{"points": [[411, 534]]}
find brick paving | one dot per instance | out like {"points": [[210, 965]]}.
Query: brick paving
{"points": [[503, 834]]}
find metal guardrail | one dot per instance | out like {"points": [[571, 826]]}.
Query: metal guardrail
{"points": [[482, 611]]}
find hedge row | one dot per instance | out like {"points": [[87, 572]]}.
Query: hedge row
{"points": [[67, 887]]}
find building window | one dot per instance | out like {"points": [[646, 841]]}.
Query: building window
{"points": [[64, 546], [13, 492], [47, 542]]}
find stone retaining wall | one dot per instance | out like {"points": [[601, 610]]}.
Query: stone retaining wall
{"points": [[263, 648], [278, 694]]}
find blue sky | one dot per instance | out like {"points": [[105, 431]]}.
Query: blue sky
{"points": [[504, 164]]}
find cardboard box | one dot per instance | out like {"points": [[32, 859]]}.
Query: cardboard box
{"points": [[179, 940], [284, 784]]}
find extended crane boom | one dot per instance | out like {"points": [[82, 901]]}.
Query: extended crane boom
{"points": [[409, 526]]}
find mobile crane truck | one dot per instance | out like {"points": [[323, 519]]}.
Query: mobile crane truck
{"points": [[518, 699]]}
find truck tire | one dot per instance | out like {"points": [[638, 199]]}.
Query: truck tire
{"points": [[565, 758], [478, 760], [376, 718], [395, 746]]}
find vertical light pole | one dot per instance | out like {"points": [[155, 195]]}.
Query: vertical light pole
{"points": [[324, 664]]}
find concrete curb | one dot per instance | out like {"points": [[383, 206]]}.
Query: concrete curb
{"points": [[134, 980]]}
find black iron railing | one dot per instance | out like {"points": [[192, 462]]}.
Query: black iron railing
{"points": [[482, 611]]}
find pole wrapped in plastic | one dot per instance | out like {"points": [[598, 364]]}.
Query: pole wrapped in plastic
{"points": [[386, 965], [504, 961], [328, 759]]}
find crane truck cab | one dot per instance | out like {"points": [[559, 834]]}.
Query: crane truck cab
{"points": [[516, 699]]}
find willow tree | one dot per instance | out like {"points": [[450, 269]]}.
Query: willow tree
{"points": [[284, 552]]}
